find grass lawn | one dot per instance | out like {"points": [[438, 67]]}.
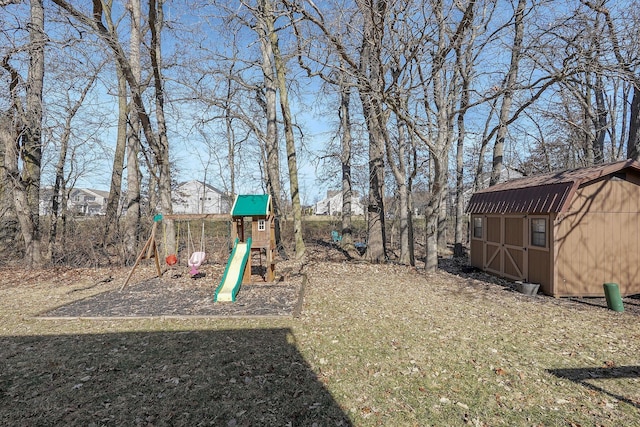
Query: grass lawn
{"points": [[375, 345]]}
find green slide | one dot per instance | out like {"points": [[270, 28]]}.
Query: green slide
{"points": [[232, 278]]}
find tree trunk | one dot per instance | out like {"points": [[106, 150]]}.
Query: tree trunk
{"points": [[459, 236], [115, 189], [7, 137], [271, 136], [134, 177], [371, 86], [399, 170], [463, 63], [438, 190], [26, 189], [345, 162], [601, 121], [410, 205], [230, 134], [509, 83], [281, 76], [633, 144], [376, 236], [156, 21]]}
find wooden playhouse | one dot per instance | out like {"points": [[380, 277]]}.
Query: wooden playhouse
{"points": [[568, 231], [258, 210]]}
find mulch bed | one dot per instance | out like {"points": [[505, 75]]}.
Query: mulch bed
{"points": [[183, 296]]}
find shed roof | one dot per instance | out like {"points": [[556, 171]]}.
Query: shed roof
{"points": [[545, 193], [251, 205]]}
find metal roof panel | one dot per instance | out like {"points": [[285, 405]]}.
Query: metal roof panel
{"points": [[541, 193]]}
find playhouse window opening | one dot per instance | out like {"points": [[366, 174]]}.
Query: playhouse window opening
{"points": [[539, 232], [261, 225], [477, 227]]}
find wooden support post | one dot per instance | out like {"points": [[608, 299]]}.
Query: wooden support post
{"points": [[149, 246]]}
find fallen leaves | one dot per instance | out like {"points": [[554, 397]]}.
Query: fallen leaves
{"points": [[398, 348]]}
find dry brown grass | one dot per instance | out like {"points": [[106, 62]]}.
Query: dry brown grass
{"points": [[375, 345]]}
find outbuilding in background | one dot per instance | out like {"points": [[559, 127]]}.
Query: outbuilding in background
{"points": [[569, 231]]}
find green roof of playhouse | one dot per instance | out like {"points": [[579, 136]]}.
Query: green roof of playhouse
{"points": [[251, 205]]}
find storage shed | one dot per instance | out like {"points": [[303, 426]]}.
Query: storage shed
{"points": [[569, 231]]}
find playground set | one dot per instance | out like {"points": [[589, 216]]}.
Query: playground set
{"points": [[253, 241]]}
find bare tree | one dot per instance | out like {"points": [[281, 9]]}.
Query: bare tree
{"points": [[626, 61], [509, 84], [266, 8], [117, 170], [133, 146], [23, 150], [464, 67], [344, 111], [268, 101], [156, 141], [59, 187], [366, 65]]}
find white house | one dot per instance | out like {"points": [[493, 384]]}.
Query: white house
{"points": [[332, 204], [194, 197], [82, 201]]}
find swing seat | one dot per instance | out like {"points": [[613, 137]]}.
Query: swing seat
{"points": [[196, 259], [171, 259]]}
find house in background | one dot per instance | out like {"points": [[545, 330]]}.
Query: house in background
{"points": [[82, 201], [332, 204], [569, 231], [190, 197], [196, 197]]}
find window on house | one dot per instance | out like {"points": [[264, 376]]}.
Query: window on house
{"points": [[539, 232], [477, 227], [262, 225]]}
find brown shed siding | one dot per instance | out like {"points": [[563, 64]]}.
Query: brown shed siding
{"points": [[477, 253], [494, 232], [514, 231], [540, 269], [598, 240], [493, 260], [513, 264]]}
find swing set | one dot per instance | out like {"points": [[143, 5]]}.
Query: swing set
{"points": [[258, 210], [196, 257]]}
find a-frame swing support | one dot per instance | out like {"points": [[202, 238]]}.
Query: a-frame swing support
{"points": [[150, 245]]}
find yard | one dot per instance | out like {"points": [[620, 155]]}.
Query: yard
{"points": [[372, 345]]}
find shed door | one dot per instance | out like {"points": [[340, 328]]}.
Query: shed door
{"points": [[505, 246]]}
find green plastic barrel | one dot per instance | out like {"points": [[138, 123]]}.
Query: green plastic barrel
{"points": [[614, 300]]}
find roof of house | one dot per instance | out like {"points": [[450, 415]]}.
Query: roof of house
{"points": [[199, 184], [251, 205], [545, 193], [101, 193]]}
